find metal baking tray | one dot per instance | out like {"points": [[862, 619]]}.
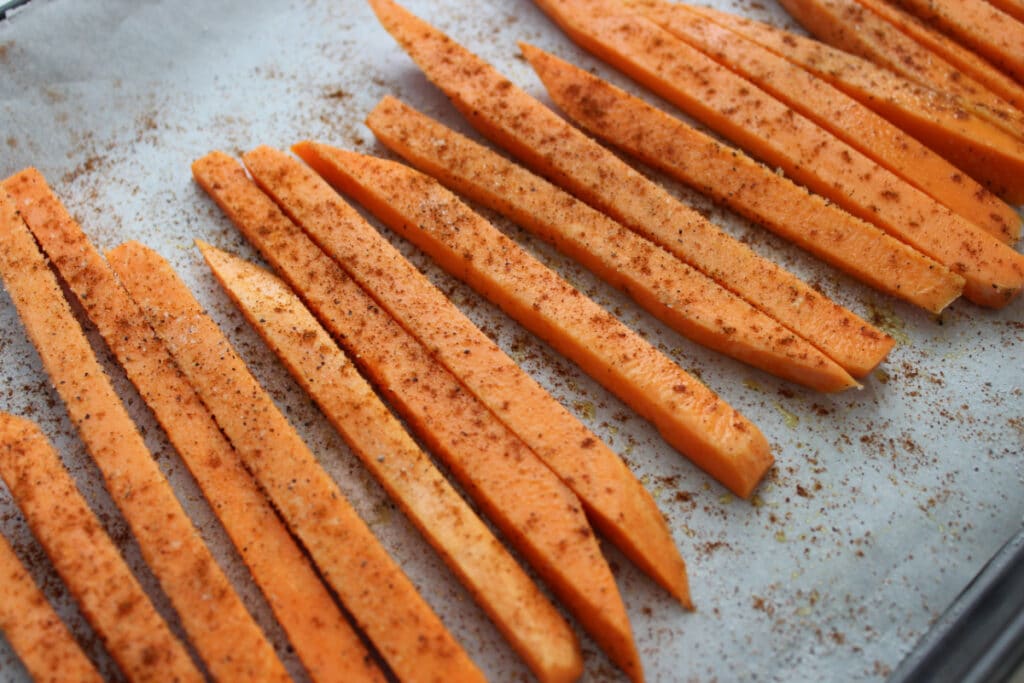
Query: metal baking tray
{"points": [[884, 502]]}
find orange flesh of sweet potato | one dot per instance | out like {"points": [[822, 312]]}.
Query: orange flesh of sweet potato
{"points": [[1015, 8], [322, 638], [556, 150], [985, 29], [994, 273], [846, 118], [375, 591], [613, 498], [953, 52], [852, 27], [982, 150], [516, 605], [218, 624], [736, 180], [42, 642], [676, 294], [88, 562], [688, 414]]}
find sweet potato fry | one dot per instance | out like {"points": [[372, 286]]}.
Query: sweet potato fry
{"points": [[844, 117], [556, 150], [88, 562], [492, 464], [325, 643], [42, 642], [222, 630], [994, 273], [852, 27], [511, 599], [688, 414], [736, 180], [989, 154], [382, 600]]}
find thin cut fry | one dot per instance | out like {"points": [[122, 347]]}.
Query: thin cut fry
{"points": [[42, 642], [511, 599], [556, 150], [689, 415], [222, 630], [384, 603], [88, 562], [322, 638]]}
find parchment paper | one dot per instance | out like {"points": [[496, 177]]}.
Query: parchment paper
{"points": [[884, 501]]}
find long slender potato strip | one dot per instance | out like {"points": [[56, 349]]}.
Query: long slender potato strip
{"points": [[380, 597], [325, 643], [216, 621], [617, 503], [42, 642], [88, 562], [691, 417], [512, 600]]}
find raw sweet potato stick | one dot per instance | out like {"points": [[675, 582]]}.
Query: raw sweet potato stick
{"points": [[515, 604], [42, 642], [689, 415], [613, 498], [994, 273], [556, 150], [88, 562], [739, 182], [963, 59], [661, 283], [520, 494], [218, 624], [989, 154], [323, 640], [375, 591], [852, 27], [844, 117]]}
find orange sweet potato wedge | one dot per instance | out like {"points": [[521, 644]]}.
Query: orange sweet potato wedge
{"points": [[324, 641], [982, 150], [564, 155], [736, 108], [752, 190], [844, 117], [689, 415], [612, 497], [852, 27], [519, 493], [513, 601], [89, 564], [214, 617], [374, 590], [42, 642], [979, 25]]}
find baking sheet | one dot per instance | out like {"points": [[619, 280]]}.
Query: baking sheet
{"points": [[883, 503]]}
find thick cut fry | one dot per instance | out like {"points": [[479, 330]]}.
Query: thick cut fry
{"points": [[688, 414], [994, 273], [564, 155], [1015, 8], [844, 117], [988, 31], [852, 27], [322, 638], [984, 151], [736, 180], [508, 595], [965, 61], [42, 642], [88, 562], [383, 601], [613, 498], [218, 624]]}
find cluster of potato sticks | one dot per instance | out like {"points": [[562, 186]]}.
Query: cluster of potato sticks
{"points": [[904, 176]]}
